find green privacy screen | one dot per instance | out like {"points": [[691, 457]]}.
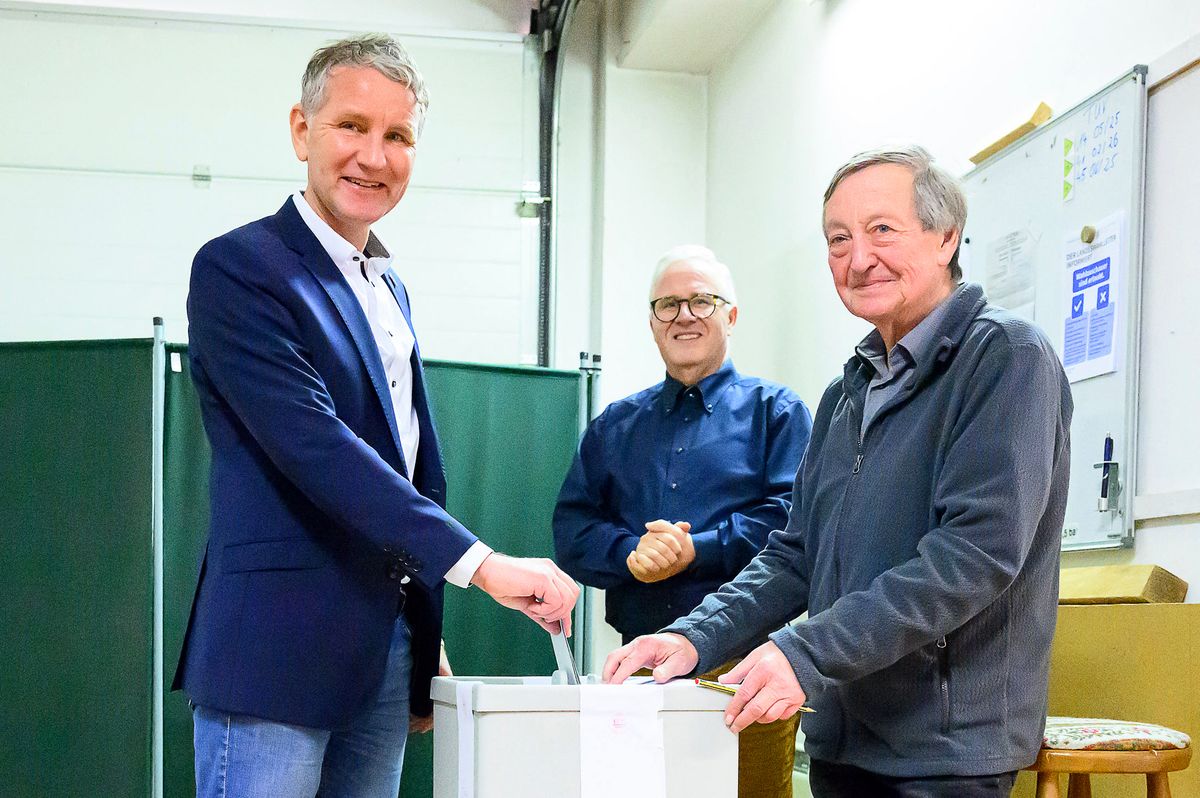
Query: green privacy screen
{"points": [[76, 559], [76, 568], [185, 529], [508, 435]]}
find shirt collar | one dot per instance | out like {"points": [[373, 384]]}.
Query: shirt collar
{"points": [[709, 389], [340, 251], [917, 346], [870, 350], [922, 339]]}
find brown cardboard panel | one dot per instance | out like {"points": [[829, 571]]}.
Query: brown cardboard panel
{"points": [[1040, 116], [1133, 662]]}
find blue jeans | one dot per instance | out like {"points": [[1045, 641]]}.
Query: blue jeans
{"points": [[238, 756]]}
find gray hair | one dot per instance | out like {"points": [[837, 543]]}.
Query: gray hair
{"points": [[375, 50], [707, 260], [937, 195]]}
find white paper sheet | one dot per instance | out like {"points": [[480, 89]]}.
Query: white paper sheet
{"points": [[1009, 279], [621, 742], [464, 696]]}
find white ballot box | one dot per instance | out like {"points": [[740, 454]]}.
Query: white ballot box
{"points": [[500, 737]]}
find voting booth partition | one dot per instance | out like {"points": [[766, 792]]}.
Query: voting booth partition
{"points": [[76, 632], [79, 556], [185, 527]]}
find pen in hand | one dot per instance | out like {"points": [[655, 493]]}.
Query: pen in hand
{"points": [[732, 690]]}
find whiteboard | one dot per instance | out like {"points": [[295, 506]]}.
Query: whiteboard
{"points": [[1054, 234], [102, 216]]}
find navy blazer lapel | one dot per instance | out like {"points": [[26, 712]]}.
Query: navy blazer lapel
{"points": [[314, 257]]}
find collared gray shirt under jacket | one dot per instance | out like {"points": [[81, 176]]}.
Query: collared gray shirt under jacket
{"points": [[915, 347]]}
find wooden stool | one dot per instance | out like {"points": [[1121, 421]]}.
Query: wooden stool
{"points": [[1082, 746]]}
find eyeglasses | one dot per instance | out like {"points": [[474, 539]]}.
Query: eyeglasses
{"points": [[666, 308]]}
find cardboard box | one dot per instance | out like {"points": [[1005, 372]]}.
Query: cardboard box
{"points": [[1138, 662], [1120, 584]]}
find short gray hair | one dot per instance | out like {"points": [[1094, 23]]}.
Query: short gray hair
{"points": [[698, 254], [375, 50], [937, 195]]}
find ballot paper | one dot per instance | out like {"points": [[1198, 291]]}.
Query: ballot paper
{"points": [[621, 742], [562, 656]]}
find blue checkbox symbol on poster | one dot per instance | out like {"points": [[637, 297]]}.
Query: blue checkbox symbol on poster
{"points": [[1077, 306], [1102, 297]]}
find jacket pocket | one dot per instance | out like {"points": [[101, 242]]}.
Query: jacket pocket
{"points": [[943, 655], [890, 703], [289, 554]]}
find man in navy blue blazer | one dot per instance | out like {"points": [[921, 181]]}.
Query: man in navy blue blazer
{"points": [[316, 623]]}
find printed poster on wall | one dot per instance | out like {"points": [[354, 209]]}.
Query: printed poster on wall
{"points": [[1010, 277], [1092, 328]]}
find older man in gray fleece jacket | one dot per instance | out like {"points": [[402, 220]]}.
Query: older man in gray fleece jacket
{"points": [[926, 517]]}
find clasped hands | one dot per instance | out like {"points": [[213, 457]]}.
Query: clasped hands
{"points": [[665, 550]]}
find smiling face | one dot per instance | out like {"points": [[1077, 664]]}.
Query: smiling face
{"points": [[886, 268], [359, 146], [692, 348]]}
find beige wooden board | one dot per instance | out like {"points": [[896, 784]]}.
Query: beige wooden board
{"points": [[1120, 584]]}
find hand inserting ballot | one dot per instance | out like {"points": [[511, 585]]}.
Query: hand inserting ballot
{"points": [[536, 587]]}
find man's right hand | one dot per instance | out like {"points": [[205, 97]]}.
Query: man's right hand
{"points": [[536, 587], [669, 655]]}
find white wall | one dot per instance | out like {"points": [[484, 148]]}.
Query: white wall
{"points": [[397, 16], [654, 141], [102, 217], [816, 82], [578, 187]]}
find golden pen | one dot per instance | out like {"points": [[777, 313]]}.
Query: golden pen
{"points": [[724, 688], [732, 690]]}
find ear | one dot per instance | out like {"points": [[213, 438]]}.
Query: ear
{"points": [[299, 125], [948, 247], [732, 316]]}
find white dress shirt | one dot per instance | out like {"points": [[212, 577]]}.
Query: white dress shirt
{"points": [[394, 340]]}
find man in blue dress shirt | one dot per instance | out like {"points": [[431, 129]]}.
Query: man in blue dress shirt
{"points": [[675, 488]]}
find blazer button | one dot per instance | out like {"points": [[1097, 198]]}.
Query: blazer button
{"points": [[394, 573]]}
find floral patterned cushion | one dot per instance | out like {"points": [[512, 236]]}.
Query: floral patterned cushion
{"points": [[1100, 734]]}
